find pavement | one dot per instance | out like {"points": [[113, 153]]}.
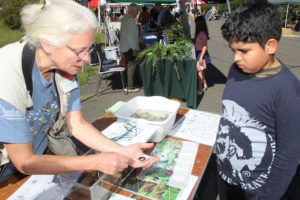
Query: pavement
{"points": [[94, 105]]}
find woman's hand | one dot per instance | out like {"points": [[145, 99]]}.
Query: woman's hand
{"points": [[111, 162], [135, 151]]}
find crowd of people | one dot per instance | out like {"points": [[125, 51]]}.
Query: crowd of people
{"points": [[257, 143]]}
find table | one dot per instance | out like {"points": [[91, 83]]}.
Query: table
{"points": [[202, 157], [164, 81]]}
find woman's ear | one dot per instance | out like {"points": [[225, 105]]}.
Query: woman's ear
{"points": [[271, 46], [46, 46]]}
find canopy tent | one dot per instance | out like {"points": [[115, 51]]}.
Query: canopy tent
{"points": [[194, 2], [288, 2], [94, 3], [285, 1], [146, 1]]}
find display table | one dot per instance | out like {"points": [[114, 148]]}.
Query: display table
{"points": [[27, 187], [164, 81]]}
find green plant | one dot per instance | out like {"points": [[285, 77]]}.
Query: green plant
{"points": [[175, 32], [99, 37], [11, 12], [159, 50]]}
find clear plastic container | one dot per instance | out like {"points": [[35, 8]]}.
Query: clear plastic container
{"points": [[151, 103]]}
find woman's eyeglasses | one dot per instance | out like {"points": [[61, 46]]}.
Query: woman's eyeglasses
{"points": [[80, 54]]}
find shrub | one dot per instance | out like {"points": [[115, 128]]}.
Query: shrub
{"points": [[11, 12]]}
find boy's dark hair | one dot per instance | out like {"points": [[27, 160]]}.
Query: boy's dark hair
{"points": [[255, 21]]}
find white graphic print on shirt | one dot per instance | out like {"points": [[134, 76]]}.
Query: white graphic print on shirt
{"points": [[241, 145]]}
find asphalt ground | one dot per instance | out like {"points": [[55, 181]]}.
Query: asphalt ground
{"points": [[110, 92]]}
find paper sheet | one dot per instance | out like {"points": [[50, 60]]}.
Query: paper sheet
{"points": [[115, 196], [38, 187], [197, 126], [128, 132]]}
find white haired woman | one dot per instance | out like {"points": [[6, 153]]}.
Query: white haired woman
{"points": [[58, 38]]}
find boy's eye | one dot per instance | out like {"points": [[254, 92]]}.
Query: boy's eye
{"points": [[243, 51]]}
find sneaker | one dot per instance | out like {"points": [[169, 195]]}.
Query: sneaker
{"points": [[133, 90], [199, 92]]}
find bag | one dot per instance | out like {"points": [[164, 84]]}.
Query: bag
{"points": [[123, 61], [94, 60], [61, 143], [3, 158]]}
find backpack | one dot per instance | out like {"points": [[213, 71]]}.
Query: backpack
{"points": [[27, 66]]}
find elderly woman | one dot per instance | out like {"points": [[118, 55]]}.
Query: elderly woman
{"points": [[58, 38]]}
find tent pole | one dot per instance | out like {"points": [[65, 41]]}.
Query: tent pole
{"points": [[183, 16], [99, 13], [286, 15], [228, 6]]}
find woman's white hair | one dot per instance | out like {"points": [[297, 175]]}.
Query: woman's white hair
{"points": [[56, 21]]}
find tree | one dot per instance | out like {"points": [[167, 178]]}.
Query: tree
{"points": [[233, 5], [11, 12]]}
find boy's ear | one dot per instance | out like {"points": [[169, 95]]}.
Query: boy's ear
{"points": [[271, 46]]}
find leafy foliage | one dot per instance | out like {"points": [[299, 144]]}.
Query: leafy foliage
{"points": [[178, 48], [175, 32], [11, 12]]}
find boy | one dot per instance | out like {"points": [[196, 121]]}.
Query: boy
{"points": [[258, 143]]}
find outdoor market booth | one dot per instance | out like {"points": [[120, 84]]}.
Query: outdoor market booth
{"points": [[167, 65], [172, 74]]}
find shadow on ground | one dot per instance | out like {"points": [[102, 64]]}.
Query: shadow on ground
{"points": [[114, 80], [213, 76]]}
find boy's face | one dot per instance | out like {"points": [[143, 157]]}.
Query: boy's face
{"points": [[251, 57]]}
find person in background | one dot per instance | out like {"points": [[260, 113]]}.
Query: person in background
{"points": [[161, 12], [153, 18], [58, 39], [122, 13], [144, 19], [164, 18], [129, 44], [202, 55], [257, 143]]}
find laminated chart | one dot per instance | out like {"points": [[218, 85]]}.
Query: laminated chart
{"points": [[167, 178], [126, 132]]}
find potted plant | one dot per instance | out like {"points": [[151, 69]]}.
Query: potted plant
{"points": [[178, 48]]}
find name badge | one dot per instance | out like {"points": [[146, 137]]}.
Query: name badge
{"points": [[69, 85]]}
